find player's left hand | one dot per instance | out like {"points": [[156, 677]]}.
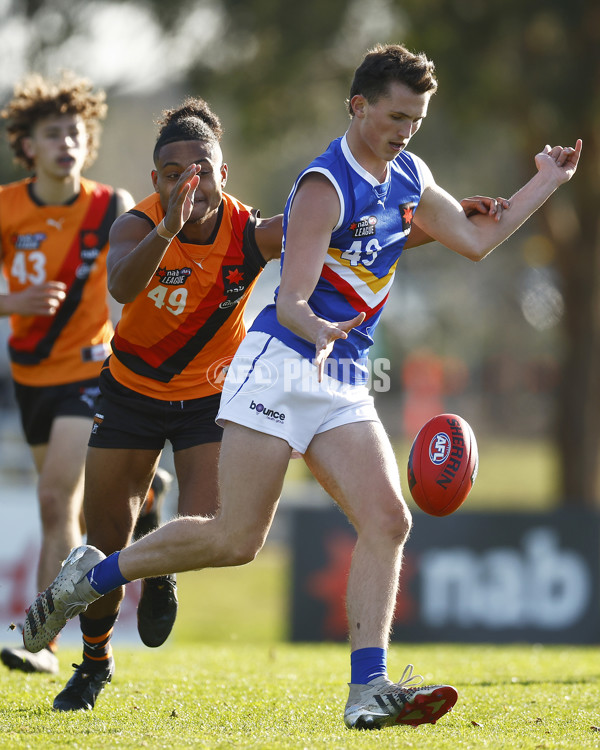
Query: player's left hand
{"points": [[481, 204], [561, 162], [329, 334]]}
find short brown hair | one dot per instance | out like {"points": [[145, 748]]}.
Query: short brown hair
{"points": [[36, 98], [385, 64]]}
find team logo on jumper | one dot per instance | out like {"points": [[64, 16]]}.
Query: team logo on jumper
{"points": [[28, 241], [233, 279], [174, 276], [439, 448], [89, 239], [407, 211], [364, 227]]}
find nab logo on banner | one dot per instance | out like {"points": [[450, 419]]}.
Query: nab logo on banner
{"points": [[469, 577]]}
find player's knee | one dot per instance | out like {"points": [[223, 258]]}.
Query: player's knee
{"points": [[391, 521], [401, 523], [52, 508], [242, 548], [243, 553]]}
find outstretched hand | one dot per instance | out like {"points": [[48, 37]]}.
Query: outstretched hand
{"points": [[563, 161], [327, 337]]}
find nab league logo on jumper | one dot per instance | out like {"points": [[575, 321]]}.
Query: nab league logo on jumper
{"points": [[233, 279], [407, 212], [364, 227], [28, 241], [173, 276], [439, 448]]}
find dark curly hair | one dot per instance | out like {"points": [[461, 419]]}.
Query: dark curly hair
{"points": [[36, 98], [192, 121], [386, 64]]}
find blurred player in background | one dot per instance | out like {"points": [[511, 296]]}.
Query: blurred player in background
{"points": [[53, 244]]}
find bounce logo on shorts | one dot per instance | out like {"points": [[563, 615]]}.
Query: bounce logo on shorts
{"points": [[229, 374], [274, 416]]}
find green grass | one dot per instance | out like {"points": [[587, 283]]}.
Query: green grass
{"points": [[292, 696], [228, 679], [228, 605]]}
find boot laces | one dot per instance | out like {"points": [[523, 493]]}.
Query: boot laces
{"points": [[408, 682]]}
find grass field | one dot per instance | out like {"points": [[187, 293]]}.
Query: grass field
{"points": [[228, 678], [292, 696]]}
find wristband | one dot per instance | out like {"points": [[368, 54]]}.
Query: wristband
{"points": [[163, 232]]}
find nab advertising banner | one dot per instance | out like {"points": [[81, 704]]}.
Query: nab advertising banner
{"points": [[494, 578]]}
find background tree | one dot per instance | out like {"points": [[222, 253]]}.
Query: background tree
{"points": [[535, 68], [512, 77]]}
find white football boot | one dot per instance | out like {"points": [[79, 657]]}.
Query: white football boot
{"points": [[382, 703], [69, 594]]}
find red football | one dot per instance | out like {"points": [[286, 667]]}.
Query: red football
{"points": [[442, 465]]}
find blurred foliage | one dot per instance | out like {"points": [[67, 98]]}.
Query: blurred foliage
{"points": [[512, 77]]}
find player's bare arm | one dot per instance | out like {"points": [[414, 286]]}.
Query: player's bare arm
{"points": [[442, 217], [473, 206], [268, 236], [135, 253], [313, 216]]}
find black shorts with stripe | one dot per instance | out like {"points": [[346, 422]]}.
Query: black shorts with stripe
{"points": [[39, 406], [127, 419]]}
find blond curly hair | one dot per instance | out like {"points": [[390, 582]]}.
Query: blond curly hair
{"points": [[36, 98]]}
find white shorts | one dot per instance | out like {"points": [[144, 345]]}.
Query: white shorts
{"points": [[273, 389]]}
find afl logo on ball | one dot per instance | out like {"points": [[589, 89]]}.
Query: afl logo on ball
{"points": [[439, 448]]}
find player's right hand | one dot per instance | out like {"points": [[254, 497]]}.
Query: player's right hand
{"points": [[558, 162], [181, 199], [40, 299], [327, 337]]}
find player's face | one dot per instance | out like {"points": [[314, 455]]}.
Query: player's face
{"points": [[174, 158], [58, 146], [387, 126]]}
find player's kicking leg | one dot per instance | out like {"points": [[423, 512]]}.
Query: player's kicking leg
{"points": [[232, 537]]}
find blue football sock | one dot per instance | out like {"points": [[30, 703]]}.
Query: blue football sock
{"points": [[106, 576], [367, 664]]}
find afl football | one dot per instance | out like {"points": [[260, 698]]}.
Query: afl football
{"points": [[442, 464]]}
